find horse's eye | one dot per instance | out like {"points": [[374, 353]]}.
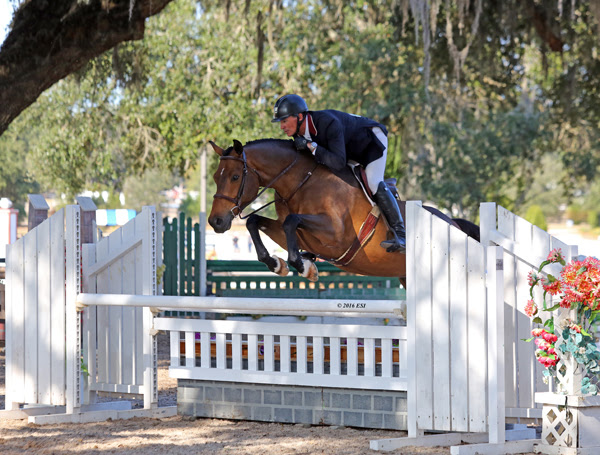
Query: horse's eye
{"points": [[235, 177]]}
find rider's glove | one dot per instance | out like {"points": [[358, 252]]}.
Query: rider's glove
{"points": [[301, 143]]}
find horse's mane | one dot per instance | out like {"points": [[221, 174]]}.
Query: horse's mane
{"points": [[289, 142], [345, 174]]}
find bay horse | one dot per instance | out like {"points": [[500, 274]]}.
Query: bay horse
{"points": [[317, 211]]}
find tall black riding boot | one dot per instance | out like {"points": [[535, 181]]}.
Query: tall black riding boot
{"points": [[388, 205]]}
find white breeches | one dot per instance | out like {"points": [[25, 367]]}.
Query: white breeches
{"points": [[376, 169]]}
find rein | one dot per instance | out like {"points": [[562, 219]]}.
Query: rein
{"points": [[237, 200]]}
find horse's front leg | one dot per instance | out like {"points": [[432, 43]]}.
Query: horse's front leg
{"points": [[274, 230], [302, 262]]}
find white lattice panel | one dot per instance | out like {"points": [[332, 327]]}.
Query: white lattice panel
{"points": [[559, 426]]}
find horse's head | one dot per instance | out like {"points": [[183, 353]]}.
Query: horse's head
{"points": [[237, 186]]}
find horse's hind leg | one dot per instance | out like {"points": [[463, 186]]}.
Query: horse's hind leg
{"points": [[273, 229]]}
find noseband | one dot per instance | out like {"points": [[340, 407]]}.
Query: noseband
{"points": [[237, 200]]}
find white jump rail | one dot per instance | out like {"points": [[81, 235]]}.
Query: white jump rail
{"points": [[235, 305]]}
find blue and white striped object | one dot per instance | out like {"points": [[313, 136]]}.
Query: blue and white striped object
{"points": [[114, 217]]}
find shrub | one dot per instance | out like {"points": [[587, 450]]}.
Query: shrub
{"points": [[535, 215], [593, 218], [576, 213]]}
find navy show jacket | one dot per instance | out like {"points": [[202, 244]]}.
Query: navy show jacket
{"points": [[341, 137]]}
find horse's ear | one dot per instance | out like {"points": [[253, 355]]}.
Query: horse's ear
{"points": [[238, 147], [216, 148]]}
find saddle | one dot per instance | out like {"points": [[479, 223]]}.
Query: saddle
{"points": [[358, 171], [368, 227]]}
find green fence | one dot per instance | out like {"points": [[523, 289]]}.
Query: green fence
{"points": [[253, 279], [181, 257]]}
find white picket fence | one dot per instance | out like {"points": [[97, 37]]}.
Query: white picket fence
{"points": [[460, 357], [351, 355]]}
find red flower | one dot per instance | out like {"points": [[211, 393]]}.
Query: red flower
{"points": [[542, 344], [538, 332], [553, 288], [533, 278], [531, 308], [554, 255]]}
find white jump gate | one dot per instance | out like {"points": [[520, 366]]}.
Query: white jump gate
{"points": [[113, 339], [342, 343], [461, 357]]}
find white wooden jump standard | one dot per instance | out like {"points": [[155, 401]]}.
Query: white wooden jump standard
{"points": [[511, 247], [43, 352]]}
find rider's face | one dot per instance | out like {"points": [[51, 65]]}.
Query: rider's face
{"points": [[289, 125]]}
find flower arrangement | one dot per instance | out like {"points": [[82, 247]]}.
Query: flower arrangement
{"points": [[577, 289]]}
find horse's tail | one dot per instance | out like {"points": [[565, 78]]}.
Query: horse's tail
{"points": [[469, 228]]}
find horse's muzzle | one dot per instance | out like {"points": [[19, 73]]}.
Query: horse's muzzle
{"points": [[221, 223]]}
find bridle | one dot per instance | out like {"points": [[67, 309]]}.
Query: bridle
{"points": [[237, 200]]}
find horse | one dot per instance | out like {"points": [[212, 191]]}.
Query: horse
{"points": [[318, 211]]}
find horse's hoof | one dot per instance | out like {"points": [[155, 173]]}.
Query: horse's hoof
{"points": [[281, 268], [311, 273]]}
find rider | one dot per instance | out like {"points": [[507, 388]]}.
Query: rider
{"points": [[334, 137]]}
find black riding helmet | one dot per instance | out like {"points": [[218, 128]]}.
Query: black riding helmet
{"points": [[289, 105]]}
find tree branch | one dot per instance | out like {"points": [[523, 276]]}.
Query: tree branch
{"points": [[543, 26], [50, 40]]}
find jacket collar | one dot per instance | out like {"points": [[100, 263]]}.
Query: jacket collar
{"points": [[312, 129]]}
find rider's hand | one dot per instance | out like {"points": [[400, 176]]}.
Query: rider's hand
{"points": [[301, 143]]}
